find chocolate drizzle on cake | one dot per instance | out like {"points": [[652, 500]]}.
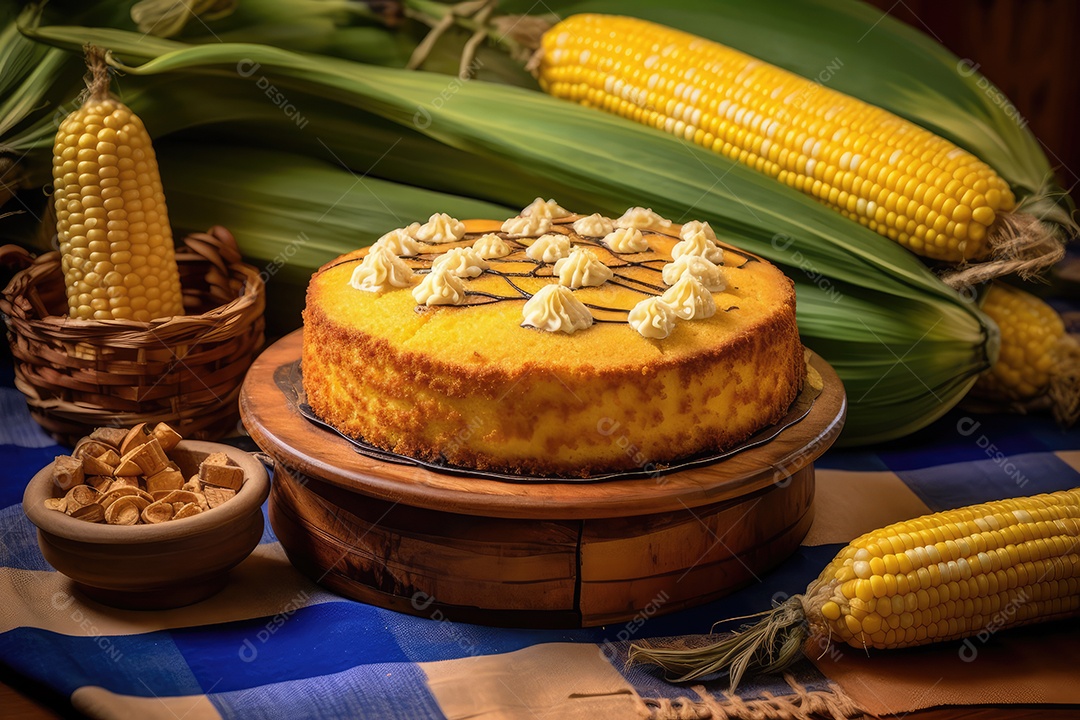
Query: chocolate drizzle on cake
{"points": [[421, 265]]}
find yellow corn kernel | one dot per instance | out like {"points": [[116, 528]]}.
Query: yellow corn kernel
{"points": [[903, 181], [111, 220]]}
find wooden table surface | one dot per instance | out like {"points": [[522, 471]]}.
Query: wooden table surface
{"points": [[27, 702], [20, 705]]}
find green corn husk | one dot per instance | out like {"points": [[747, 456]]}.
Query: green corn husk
{"points": [[340, 28], [370, 31], [335, 208], [36, 81], [165, 18], [229, 20], [18, 55], [27, 70]]}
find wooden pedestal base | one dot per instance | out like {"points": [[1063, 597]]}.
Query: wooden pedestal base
{"points": [[539, 573], [531, 554]]}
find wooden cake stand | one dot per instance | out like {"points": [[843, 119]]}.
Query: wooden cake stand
{"points": [[530, 554]]}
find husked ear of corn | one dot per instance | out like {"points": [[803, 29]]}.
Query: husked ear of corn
{"points": [[1037, 360], [940, 577], [111, 221], [874, 167]]}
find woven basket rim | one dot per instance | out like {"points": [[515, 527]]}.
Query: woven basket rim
{"points": [[187, 370], [251, 290]]}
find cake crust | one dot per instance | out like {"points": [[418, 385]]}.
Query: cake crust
{"points": [[470, 387]]}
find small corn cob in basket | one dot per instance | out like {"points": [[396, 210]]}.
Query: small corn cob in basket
{"points": [[98, 329], [936, 578], [111, 221]]}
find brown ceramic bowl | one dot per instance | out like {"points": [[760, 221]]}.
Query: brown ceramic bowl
{"points": [[153, 567]]}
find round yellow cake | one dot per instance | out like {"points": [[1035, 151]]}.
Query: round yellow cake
{"points": [[551, 343]]}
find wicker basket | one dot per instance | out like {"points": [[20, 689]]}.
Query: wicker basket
{"points": [[187, 371]]}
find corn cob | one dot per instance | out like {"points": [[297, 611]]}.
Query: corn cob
{"points": [[941, 577], [878, 169], [111, 220], [1038, 360]]}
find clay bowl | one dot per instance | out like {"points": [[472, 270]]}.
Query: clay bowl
{"points": [[153, 567]]}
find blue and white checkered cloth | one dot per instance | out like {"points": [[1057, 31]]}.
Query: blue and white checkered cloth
{"points": [[273, 644]]}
